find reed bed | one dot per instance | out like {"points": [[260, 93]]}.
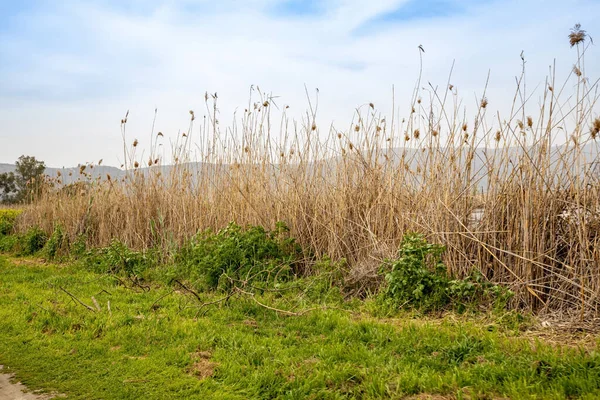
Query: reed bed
{"points": [[515, 197]]}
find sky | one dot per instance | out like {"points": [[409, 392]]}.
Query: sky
{"points": [[70, 69]]}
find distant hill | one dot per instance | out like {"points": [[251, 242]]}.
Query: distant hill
{"points": [[483, 158], [97, 171]]}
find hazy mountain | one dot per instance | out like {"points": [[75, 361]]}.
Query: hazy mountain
{"points": [[483, 159]]}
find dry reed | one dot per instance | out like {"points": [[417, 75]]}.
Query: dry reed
{"points": [[502, 196]]}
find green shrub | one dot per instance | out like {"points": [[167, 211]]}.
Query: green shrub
{"points": [[32, 241], [7, 221], [418, 278], [9, 244], [79, 246], [118, 258], [57, 244], [234, 255]]}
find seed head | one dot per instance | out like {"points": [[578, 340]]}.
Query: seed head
{"points": [[577, 35], [465, 127], [136, 164], [484, 103], [339, 135], [135, 143], [520, 123], [529, 121], [350, 146], [498, 136], [595, 129], [435, 132], [576, 70], [416, 133], [372, 105], [450, 87], [266, 104], [357, 128], [313, 127]]}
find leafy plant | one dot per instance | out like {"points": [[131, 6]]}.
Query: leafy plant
{"points": [[56, 243], [7, 221], [117, 258], [32, 241], [418, 278], [236, 255]]}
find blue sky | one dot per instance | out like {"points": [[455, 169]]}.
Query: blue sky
{"points": [[69, 70]]}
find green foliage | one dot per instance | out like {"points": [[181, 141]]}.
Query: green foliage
{"points": [[79, 246], [32, 241], [155, 345], [25, 183], [9, 243], [235, 255], [57, 244], [118, 258], [8, 218], [418, 278]]}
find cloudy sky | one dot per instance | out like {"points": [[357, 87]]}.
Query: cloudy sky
{"points": [[70, 69]]}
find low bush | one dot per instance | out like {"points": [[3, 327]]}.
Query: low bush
{"points": [[32, 242], [7, 220], [57, 244], [118, 258], [418, 278], [237, 255]]}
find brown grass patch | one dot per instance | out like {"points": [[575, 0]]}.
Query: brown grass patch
{"points": [[202, 367]]}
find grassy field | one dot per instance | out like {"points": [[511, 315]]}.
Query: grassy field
{"points": [[155, 341]]}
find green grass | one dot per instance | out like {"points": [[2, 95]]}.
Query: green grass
{"points": [[245, 351]]}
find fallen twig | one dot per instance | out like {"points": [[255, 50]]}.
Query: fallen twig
{"points": [[77, 300], [196, 295]]}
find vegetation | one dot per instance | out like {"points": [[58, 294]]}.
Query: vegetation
{"points": [[25, 183], [91, 335], [418, 278], [513, 198], [476, 221]]}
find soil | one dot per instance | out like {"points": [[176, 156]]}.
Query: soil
{"points": [[10, 390]]}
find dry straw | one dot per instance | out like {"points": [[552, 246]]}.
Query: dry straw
{"points": [[519, 208]]}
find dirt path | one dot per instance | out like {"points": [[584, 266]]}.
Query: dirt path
{"points": [[16, 391]]}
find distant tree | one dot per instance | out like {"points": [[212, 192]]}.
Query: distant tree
{"points": [[23, 184]]}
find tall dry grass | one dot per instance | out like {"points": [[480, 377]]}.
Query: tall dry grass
{"points": [[498, 192]]}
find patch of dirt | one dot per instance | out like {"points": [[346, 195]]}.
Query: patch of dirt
{"points": [[18, 391], [203, 367]]}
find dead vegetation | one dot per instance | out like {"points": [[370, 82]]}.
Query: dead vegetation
{"points": [[512, 196]]}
